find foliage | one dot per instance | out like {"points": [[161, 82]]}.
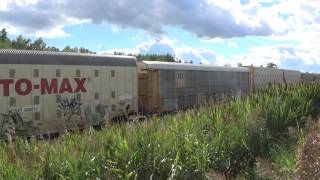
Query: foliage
{"points": [[21, 43], [150, 57], [283, 157], [77, 50], [271, 65], [155, 57], [4, 41], [38, 44], [3, 35]]}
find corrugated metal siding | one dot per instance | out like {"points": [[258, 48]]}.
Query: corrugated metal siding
{"points": [[103, 84], [200, 87], [262, 77], [168, 105], [292, 77], [61, 58], [307, 77]]}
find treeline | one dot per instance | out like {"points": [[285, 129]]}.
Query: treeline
{"points": [[27, 44], [21, 42], [154, 57], [150, 57]]}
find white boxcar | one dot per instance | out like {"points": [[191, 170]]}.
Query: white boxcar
{"points": [[48, 92], [291, 77], [262, 77]]}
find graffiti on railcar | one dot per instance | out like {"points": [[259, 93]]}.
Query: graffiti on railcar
{"points": [[10, 121], [100, 112], [71, 107], [125, 103]]}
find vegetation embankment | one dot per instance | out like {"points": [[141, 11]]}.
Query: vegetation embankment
{"points": [[228, 139]]}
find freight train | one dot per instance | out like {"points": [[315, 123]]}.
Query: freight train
{"points": [[50, 92]]}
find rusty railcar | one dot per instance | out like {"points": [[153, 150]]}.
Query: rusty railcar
{"points": [[167, 87], [48, 92]]}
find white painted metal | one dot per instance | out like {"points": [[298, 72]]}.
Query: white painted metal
{"points": [[124, 84]]}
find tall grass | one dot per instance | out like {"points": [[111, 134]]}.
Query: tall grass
{"points": [[224, 138]]}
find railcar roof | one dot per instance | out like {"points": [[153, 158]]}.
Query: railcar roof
{"points": [[289, 70], [9, 56], [272, 69], [181, 66], [264, 68]]}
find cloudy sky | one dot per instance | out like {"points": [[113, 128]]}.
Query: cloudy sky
{"points": [[286, 32]]}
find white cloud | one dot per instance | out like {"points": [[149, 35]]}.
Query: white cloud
{"points": [[232, 44], [203, 18], [4, 5], [140, 48], [114, 29], [196, 55], [213, 40], [166, 45], [56, 32], [25, 3], [285, 56], [295, 21], [207, 19]]}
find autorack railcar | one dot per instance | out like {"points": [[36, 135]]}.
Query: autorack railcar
{"points": [[261, 77], [48, 92], [167, 87], [308, 77], [291, 77]]}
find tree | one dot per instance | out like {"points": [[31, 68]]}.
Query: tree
{"points": [[5, 42], [155, 57], [272, 65], [77, 50], [38, 44], [84, 50], [239, 64], [70, 49], [118, 53], [3, 35], [169, 58], [53, 49], [21, 43], [25, 43]]}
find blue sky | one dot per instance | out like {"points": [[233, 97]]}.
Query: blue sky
{"points": [[217, 32]]}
